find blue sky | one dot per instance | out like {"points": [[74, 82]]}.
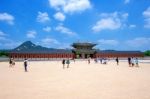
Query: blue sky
{"points": [[112, 24]]}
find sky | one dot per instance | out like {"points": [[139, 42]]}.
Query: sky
{"points": [[111, 24]]}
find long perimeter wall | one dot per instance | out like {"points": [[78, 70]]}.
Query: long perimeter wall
{"points": [[112, 55], [36, 55]]}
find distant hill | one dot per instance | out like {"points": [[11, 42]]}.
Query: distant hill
{"points": [[29, 46]]}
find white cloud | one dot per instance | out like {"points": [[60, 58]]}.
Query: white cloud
{"points": [[108, 42], [124, 15], [65, 46], [70, 6], [59, 16], [8, 43], [126, 1], [110, 21], [107, 23], [43, 17], [132, 26], [49, 41], [7, 18], [76, 6], [2, 33], [65, 30], [2, 38], [47, 29], [57, 4], [146, 14], [138, 42], [11, 44], [31, 34]]}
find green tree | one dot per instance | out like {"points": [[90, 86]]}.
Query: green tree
{"points": [[147, 53], [3, 53]]}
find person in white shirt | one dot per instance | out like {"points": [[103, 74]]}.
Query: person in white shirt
{"points": [[136, 62], [132, 61]]}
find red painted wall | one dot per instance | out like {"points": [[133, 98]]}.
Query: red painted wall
{"points": [[29, 55]]}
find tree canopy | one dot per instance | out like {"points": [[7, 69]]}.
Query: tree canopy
{"points": [[147, 53]]}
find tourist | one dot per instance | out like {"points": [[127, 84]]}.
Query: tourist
{"points": [[74, 60], [10, 62], [95, 60], [117, 60], [13, 62], [132, 61], [129, 61], [104, 61], [68, 62], [101, 60], [89, 60], [63, 62], [25, 65], [136, 62]]}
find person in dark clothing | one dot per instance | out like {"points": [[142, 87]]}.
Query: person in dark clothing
{"points": [[10, 62], [63, 62], [129, 61], [117, 60], [89, 60], [101, 60], [25, 65]]}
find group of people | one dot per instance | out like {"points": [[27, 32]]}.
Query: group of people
{"points": [[65, 62], [102, 60], [133, 62], [12, 63]]}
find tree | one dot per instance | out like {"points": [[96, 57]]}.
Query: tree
{"points": [[147, 53], [4, 53]]}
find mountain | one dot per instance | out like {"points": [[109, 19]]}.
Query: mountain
{"points": [[29, 47]]}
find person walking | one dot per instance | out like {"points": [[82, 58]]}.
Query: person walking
{"points": [[68, 62], [132, 61], [25, 65], [101, 60], [95, 60], [136, 62], [10, 62], [129, 61], [89, 60], [74, 60], [63, 62], [105, 61], [13, 62], [117, 60]]}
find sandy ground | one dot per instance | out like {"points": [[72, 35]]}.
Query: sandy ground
{"points": [[47, 80]]}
